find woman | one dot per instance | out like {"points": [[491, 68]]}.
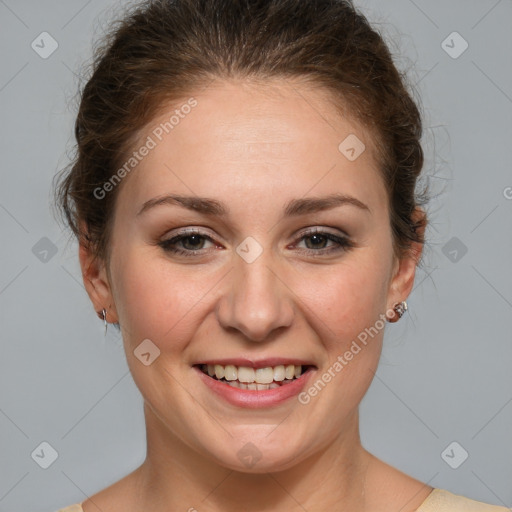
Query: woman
{"points": [[244, 197]]}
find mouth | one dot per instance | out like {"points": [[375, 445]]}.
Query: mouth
{"points": [[255, 379]]}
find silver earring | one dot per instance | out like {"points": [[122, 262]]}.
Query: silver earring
{"points": [[103, 314], [400, 308]]}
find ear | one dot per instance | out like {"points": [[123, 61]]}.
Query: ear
{"points": [[405, 269], [96, 281]]}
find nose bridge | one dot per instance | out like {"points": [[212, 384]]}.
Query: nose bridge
{"points": [[257, 302]]}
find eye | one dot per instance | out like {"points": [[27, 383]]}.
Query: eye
{"points": [[192, 243], [318, 240], [191, 240]]}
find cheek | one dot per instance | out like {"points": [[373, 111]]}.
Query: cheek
{"points": [[346, 311], [156, 300], [347, 297]]}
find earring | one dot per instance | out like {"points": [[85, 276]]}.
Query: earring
{"points": [[103, 314], [400, 308]]}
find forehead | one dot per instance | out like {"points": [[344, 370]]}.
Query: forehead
{"points": [[273, 138]]}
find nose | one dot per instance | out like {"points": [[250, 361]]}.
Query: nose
{"points": [[257, 302]]}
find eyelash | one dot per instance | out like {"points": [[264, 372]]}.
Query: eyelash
{"points": [[344, 244]]}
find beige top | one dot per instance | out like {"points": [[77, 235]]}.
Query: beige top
{"points": [[438, 500]]}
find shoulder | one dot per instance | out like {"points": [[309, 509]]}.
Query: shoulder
{"points": [[72, 508], [440, 500], [395, 490]]}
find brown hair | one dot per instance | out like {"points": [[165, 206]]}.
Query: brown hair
{"points": [[161, 50]]}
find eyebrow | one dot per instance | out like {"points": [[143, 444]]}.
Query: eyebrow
{"points": [[295, 207]]}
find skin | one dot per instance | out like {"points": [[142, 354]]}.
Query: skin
{"points": [[253, 147]]}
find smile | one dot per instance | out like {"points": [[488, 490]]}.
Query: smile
{"points": [[245, 377], [249, 384]]}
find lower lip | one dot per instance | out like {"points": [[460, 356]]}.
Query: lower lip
{"points": [[255, 398]]}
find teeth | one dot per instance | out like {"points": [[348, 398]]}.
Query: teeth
{"points": [[219, 371], [230, 372], [246, 374], [264, 375], [279, 373], [253, 386], [249, 378]]}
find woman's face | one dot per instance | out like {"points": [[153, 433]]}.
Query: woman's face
{"points": [[253, 287]]}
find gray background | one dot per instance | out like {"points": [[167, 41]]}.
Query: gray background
{"points": [[445, 371]]}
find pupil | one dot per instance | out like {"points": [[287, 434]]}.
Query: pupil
{"points": [[317, 238], [197, 238]]}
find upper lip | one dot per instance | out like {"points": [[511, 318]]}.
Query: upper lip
{"points": [[257, 363]]}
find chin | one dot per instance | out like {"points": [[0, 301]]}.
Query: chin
{"points": [[261, 453]]}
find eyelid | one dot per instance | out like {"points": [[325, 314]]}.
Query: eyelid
{"points": [[188, 232], [307, 231], [323, 230], [342, 241]]}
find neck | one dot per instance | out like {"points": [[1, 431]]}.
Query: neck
{"points": [[176, 477]]}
